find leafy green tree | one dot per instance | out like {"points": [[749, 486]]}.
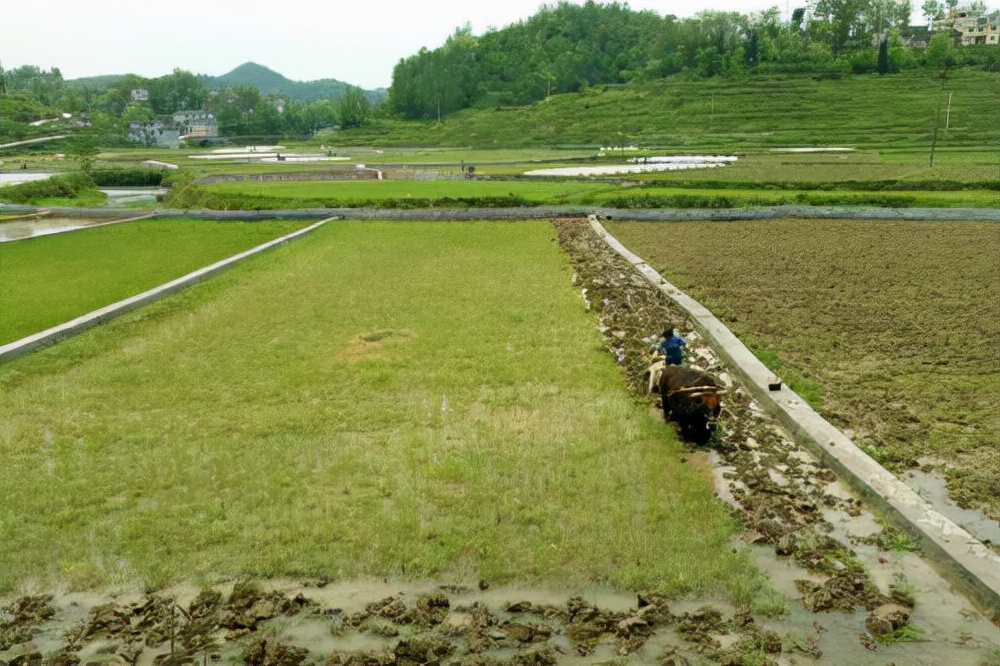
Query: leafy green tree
{"points": [[940, 53], [932, 10], [882, 64], [138, 112], [178, 91], [83, 147], [355, 109]]}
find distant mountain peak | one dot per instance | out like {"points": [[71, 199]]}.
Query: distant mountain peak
{"points": [[269, 82], [251, 73]]}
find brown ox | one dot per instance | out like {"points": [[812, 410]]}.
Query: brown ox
{"points": [[691, 398]]}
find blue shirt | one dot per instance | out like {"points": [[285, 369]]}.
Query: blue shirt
{"points": [[671, 349]]}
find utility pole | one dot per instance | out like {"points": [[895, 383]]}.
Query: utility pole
{"points": [[947, 115], [937, 110], [937, 115]]}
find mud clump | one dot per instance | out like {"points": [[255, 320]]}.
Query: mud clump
{"points": [[280, 654], [887, 619], [22, 617], [248, 605]]}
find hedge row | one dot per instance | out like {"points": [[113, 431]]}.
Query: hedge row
{"points": [[128, 177]]}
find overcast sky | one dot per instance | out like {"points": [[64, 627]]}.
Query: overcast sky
{"points": [[357, 41]]}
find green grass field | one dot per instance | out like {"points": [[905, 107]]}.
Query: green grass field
{"points": [[892, 326], [48, 280], [349, 192], [404, 400]]}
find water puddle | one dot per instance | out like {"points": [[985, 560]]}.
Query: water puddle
{"points": [[820, 149], [12, 230], [271, 157], [933, 489], [640, 165], [122, 196], [15, 177]]}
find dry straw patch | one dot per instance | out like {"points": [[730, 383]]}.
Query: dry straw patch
{"points": [[891, 327]]}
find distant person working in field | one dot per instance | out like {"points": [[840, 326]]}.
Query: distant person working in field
{"points": [[671, 347]]}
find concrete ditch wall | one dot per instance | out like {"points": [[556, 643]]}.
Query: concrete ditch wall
{"points": [[107, 313], [965, 561]]}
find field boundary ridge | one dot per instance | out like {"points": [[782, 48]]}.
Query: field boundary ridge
{"points": [[964, 560], [547, 212]]}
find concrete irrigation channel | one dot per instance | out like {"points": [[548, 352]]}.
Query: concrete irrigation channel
{"points": [[815, 521]]}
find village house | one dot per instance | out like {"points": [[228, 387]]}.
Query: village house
{"points": [[196, 124], [971, 28], [156, 133]]}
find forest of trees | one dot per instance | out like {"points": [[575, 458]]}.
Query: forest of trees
{"points": [[565, 47]]}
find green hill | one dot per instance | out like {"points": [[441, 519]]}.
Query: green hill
{"points": [[269, 82], [728, 114]]}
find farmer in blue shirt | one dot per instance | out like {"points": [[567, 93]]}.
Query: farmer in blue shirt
{"points": [[671, 347]]}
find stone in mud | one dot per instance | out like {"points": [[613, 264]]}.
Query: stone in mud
{"points": [[887, 618], [519, 607]]}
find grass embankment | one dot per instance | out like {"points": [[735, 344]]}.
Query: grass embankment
{"points": [[408, 400], [727, 114], [48, 280], [399, 193], [891, 327]]}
